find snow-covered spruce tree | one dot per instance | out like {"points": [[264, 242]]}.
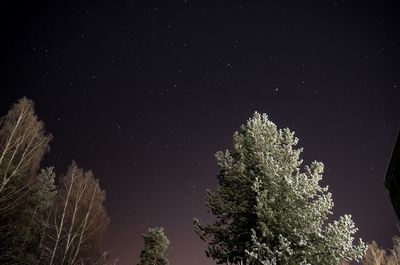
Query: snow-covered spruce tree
{"points": [[155, 244], [267, 211]]}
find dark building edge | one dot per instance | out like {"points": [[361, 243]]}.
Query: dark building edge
{"points": [[392, 179]]}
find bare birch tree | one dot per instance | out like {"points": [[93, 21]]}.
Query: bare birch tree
{"points": [[77, 220], [22, 145], [376, 255]]}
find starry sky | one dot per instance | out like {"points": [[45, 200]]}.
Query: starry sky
{"points": [[145, 92]]}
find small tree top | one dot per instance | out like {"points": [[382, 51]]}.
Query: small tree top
{"points": [[155, 245]]}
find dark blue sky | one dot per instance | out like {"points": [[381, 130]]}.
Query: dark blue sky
{"points": [[144, 93]]}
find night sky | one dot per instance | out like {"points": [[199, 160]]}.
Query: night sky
{"points": [[144, 93]]}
